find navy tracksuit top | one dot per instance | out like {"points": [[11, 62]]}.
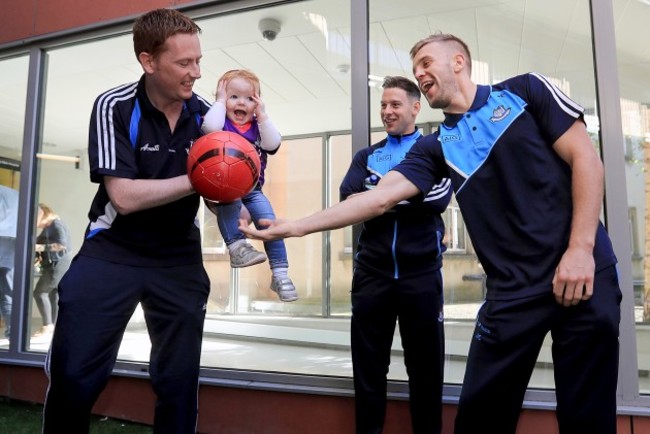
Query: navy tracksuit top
{"points": [[406, 240], [514, 190]]}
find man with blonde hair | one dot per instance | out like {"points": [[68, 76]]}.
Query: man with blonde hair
{"points": [[530, 187]]}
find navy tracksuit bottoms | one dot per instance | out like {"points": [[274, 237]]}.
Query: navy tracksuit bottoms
{"points": [[415, 303], [506, 343], [96, 300]]}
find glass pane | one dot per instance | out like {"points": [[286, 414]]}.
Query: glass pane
{"points": [[302, 71], [293, 186], [305, 86], [634, 79], [341, 255], [13, 91], [263, 327], [506, 39], [63, 184]]}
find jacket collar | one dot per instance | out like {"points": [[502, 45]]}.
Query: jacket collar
{"points": [[480, 99]]}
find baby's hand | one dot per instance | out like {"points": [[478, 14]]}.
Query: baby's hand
{"points": [[222, 96], [260, 108]]}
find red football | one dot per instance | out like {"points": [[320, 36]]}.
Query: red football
{"points": [[223, 166]]}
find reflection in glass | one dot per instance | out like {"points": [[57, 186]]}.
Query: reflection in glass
{"points": [[13, 91], [634, 80], [53, 258], [306, 92], [8, 231], [341, 243], [62, 170]]}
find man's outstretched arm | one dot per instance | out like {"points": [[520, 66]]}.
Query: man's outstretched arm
{"points": [[392, 189]]}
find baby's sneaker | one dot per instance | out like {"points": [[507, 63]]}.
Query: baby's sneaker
{"points": [[284, 287], [245, 255]]}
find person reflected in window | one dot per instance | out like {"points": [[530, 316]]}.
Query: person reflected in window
{"points": [[8, 221], [53, 257], [239, 108], [530, 186], [397, 276], [141, 246]]}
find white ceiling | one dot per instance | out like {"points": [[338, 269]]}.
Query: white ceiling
{"points": [[304, 83]]}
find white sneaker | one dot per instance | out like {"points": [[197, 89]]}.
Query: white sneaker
{"points": [[43, 335], [45, 331]]}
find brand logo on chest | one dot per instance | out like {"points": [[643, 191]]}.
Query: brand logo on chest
{"points": [[150, 148], [499, 114], [449, 138], [381, 158]]}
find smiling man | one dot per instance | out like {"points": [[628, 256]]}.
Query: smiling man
{"points": [[530, 186], [397, 276], [141, 245]]}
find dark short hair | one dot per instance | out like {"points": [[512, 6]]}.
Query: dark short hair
{"points": [[403, 83], [447, 38], [151, 30]]}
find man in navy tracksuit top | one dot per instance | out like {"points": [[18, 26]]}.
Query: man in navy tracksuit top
{"points": [[142, 244], [530, 186], [397, 276]]}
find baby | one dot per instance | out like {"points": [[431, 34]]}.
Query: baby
{"points": [[239, 108]]}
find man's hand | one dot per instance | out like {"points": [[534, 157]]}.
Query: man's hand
{"points": [[274, 229], [574, 277]]}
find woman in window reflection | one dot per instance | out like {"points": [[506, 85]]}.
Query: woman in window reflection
{"points": [[53, 258]]}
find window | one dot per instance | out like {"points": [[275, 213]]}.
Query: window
{"points": [[13, 91], [301, 74], [505, 39], [455, 230], [634, 80]]}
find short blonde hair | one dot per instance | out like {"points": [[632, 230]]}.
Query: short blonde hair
{"points": [[446, 38], [243, 74]]}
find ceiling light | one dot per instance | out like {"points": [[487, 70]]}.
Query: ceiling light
{"points": [[343, 68], [65, 158], [375, 81]]}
